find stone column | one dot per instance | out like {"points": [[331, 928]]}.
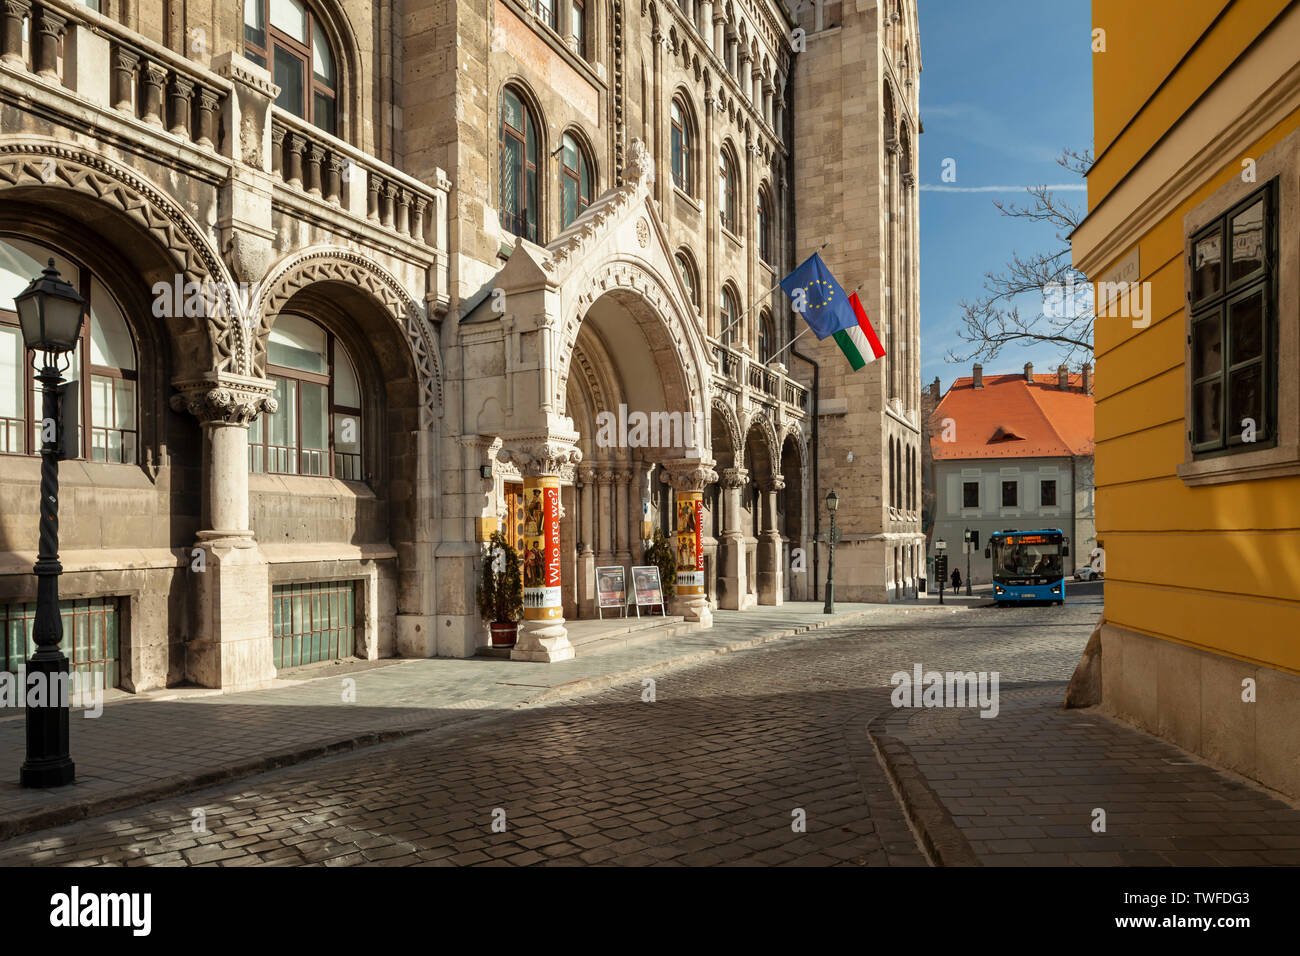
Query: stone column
{"points": [[11, 38], [586, 488], [731, 542], [705, 20], [229, 644], [688, 478], [604, 519], [46, 33], [769, 545], [719, 37], [623, 517], [543, 637]]}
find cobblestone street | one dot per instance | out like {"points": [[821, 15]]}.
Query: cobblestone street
{"points": [[720, 765]]}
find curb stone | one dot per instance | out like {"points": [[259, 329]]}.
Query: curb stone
{"points": [[939, 836], [22, 824]]}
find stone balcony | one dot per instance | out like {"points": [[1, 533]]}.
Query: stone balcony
{"points": [[747, 384], [213, 139]]}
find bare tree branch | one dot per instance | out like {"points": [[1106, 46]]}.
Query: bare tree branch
{"points": [[993, 321]]}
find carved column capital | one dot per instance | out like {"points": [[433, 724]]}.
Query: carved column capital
{"points": [[543, 456], [224, 399], [734, 477], [688, 474]]}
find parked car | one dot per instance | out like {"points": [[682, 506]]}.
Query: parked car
{"points": [[1088, 573]]}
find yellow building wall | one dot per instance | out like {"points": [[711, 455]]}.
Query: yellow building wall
{"points": [[1215, 567]]}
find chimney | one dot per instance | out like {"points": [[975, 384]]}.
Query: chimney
{"points": [[1029, 372], [1087, 379], [1062, 378], [977, 376]]}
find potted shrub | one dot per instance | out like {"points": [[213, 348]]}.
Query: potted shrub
{"points": [[501, 591], [660, 553]]}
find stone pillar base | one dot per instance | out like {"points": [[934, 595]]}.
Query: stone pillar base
{"points": [[230, 646], [694, 608], [545, 642], [415, 636]]}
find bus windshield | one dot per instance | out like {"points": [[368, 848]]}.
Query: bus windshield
{"points": [[1035, 557]]}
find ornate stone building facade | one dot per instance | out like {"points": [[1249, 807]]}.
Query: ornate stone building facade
{"points": [[361, 273]]}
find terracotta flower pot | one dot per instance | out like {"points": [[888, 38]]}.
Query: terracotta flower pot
{"points": [[504, 633]]}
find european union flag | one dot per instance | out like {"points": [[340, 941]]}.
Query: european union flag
{"points": [[818, 298]]}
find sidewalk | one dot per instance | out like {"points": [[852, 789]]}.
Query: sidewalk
{"points": [[153, 745], [1024, 788]]}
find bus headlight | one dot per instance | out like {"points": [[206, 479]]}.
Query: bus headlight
{"points": [[1056, 590], [998, 589]]}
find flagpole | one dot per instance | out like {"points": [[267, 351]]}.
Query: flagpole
{"points": [[806, 327], [764, 296]]}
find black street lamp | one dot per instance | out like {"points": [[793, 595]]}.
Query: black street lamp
{"points": [[832, 503], [969, 539], [50, 312]]}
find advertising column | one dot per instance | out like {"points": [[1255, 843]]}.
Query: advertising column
{"points": [[541, 549], [690, 544]]}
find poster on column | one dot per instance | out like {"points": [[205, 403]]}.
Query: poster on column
{"points": [[690, 543], [541, 549]]}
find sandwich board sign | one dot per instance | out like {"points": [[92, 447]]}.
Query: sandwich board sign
{"points": [[611, 589], [647, 588]]}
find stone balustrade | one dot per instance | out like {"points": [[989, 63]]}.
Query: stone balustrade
{"points": [[313, 162], [738, 369], [72, 46]]}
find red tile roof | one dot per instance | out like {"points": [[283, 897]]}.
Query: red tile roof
{"points": [[1011, 418]]}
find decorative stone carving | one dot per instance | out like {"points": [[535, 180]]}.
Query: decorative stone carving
{"points": [[23, 164], [543, 456], [225, 399], [640, 168], [734, 477], [340, 265], [688, 474]]}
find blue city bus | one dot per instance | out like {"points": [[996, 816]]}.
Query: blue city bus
{"points": [[1028, 565]]}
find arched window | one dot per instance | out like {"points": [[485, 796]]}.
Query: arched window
{"points": [[518, 164], [683, 145], [285, 37], [689, 276], [727, 319], [103, 362], [575, 178], [727, 189], [316, 430], [766, 338], [893, 475], [765, 226]]}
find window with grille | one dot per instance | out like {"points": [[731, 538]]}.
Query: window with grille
{"points": [[92, 639], [313, 622]]}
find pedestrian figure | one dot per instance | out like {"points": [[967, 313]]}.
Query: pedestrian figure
{"points": [[956, 579]]}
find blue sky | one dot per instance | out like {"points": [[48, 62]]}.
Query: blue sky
{"points": [[1006, 85]]}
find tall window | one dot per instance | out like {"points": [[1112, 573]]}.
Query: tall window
{"points": [[970, 494], [689, 277], [764, 227], [316, 430], [730, 312], [575, 179], [682, 144], [1234, 329], [518, 163], [545, 10], [285, 36], [766, 338], [103, 363], [1010, 494], [727, 190], [578, 26]]}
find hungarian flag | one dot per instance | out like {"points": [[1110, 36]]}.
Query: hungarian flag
{"points": [[858, 342]]}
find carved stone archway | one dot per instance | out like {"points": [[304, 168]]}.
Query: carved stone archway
{"points": [[329, 264], [51, 166]]}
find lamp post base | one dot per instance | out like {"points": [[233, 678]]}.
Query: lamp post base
{"points": [[830, 598], [48, 763]]}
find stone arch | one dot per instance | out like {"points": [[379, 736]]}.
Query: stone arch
{"points": [[658, 304], [770, 448], [62, 173], [330, 264], [724, 413]]}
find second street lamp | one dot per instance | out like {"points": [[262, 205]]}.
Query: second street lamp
{"points": [[51, 313], [832, 504]]}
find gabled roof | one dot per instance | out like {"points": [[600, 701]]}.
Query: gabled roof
{"points": [[1012, 418]]}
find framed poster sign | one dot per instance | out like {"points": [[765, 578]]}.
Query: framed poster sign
{"points": [[648, 589], [611, 589]]}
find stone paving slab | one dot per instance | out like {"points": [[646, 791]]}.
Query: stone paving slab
{"points": [[143, 748], [1024, 788]]}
